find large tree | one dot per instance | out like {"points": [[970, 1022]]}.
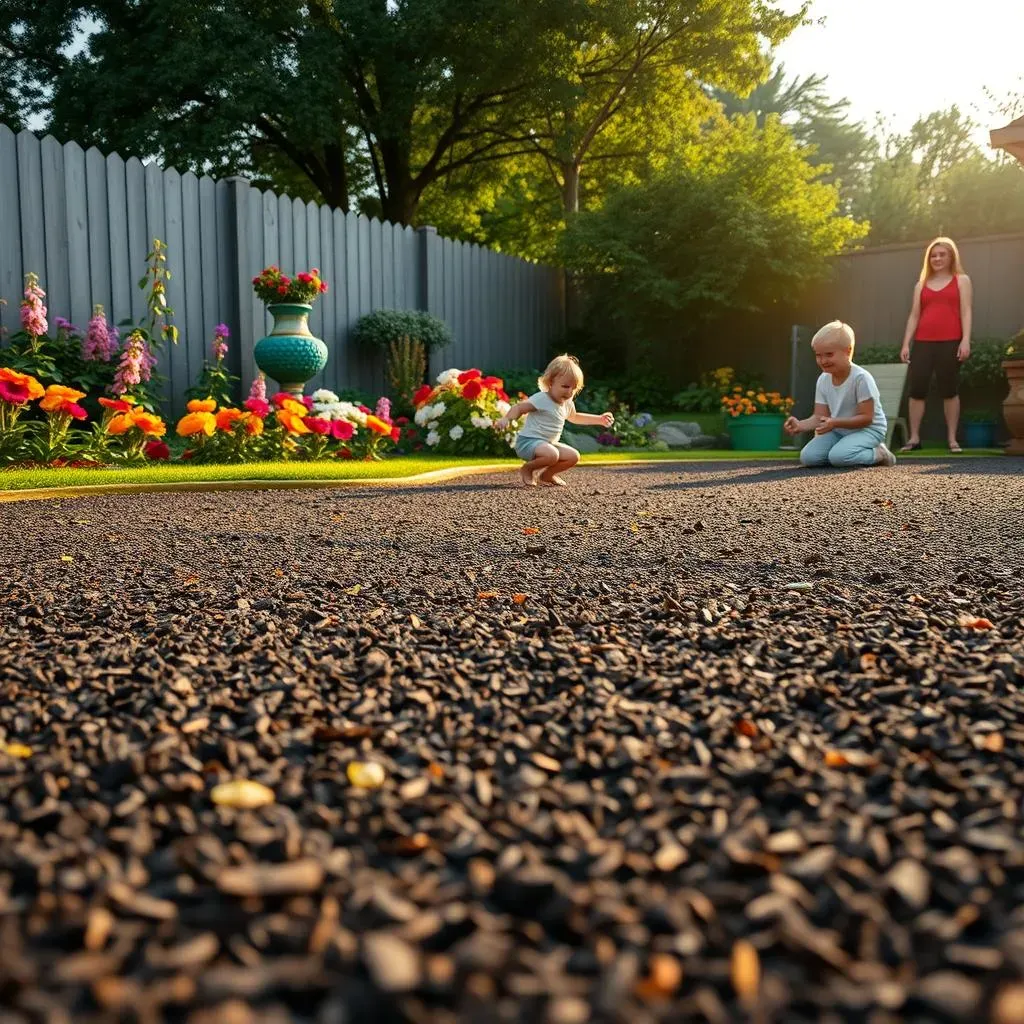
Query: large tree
{"points": [[349, 93]]}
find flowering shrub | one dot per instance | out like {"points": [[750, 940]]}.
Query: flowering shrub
{"points": [[273, 286], [285, 427], [746, 403], [119, 437], [458, 414], [629, 430]]}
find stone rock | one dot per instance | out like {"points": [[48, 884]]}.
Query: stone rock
{"points": [[583, 443], [679, 434]]}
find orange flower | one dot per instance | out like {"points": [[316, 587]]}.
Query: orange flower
{"points": [[150, 425], [120, 424], [296, 408], [291, 421], [22, 380], [201, 405], [378, 425], [56, 396], [201, 422], [252, 423], [117, 404], [227, 418]]}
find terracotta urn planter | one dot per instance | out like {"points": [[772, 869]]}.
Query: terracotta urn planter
{"points": [[1013, 405]]}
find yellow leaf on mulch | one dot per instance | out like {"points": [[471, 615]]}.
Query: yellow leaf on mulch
{"points": [[242, 794], [365, 774], [487, 595], [530, 531], [519, 598], [745, 971], [17, 750]]}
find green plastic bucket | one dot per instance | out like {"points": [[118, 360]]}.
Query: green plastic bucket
{"points": [[759, 432]]}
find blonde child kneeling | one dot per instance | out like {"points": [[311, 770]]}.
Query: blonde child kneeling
{"points": [[848, 421], [547, 412]]}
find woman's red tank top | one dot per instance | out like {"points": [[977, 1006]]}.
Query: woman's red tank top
{"points": [[940, 314]]}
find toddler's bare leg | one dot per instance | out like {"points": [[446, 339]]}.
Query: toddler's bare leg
{"points": [[545, 456], [567, 458]]}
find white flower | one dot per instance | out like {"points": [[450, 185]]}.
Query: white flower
{"points": [[432, 425], [456, 432], [433, 438], [481, 422], [422, 415], [448, 376], [502, 407], [437, 410], [324, 397]]}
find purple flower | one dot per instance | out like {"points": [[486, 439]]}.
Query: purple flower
{"points": [[383, 410], [97, 342], [67, 326], [221, 331]]}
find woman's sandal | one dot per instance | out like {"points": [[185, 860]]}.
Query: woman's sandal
{"points": [[955, 449], [916, 446]]}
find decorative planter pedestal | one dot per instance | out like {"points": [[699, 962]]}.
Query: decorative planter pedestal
{"points": [[290, 354], [757, 432], [1013, 405]]}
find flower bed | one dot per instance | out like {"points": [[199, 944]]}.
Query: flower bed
{"points": [[456, 415]]}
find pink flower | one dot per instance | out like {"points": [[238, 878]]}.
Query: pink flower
{"points": [[220, 345], [100, 339], [258, 407], [342, 430], [307, 401], [259, 388], [33, 312], [74, 410], [13, 393], [132, 365], [281, 397], [383, 410], [318, 425]]}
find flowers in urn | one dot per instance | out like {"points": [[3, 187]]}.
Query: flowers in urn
{"points": [[748, 403], [273, 286]]}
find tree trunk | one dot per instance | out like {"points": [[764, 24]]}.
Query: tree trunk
{"points": [[571, 188]]}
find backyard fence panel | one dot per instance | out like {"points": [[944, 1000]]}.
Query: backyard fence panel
{"points": [[352, 306], [337, 296], [224, 258], [214, 310], [30, 188], [118, 210], [138, 238], [261, 250], [285, 235], [334, 333], [376, 265], [319, 324], [55, 223], [175, 358], [11, 274], [388, 278], [98, 226], [193, 329], [75, 205]]}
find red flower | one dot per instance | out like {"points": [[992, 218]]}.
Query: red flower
{"points": [[282, 290], [13, 393], [369, 412], [342, 430], [323, 286], [344, 453], [396, 433], [304, 277], [402, 420], [468, 375], [159, 450], [281, 397], [307, 401], [410, 432], [318, 425], [501, 394], [258, 407], [472, 390], [187, 454], [422, 395], [492, 382], [74, 410]]}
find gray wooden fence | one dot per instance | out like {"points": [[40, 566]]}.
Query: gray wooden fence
{"points": [[84, 222]]}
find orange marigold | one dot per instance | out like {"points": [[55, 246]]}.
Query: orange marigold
{"points": [[120, 424], [24, 380], [296, 408], [56, 395], [150, 425], [201, 422], [378, 426], [201, 405], [227, 418], [252, 423], [117, 404], [291, 421]]}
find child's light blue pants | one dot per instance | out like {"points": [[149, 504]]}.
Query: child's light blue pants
{"points": [[832, 449]]}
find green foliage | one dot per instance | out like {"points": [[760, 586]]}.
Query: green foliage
{"points": [[407, 366], [215, 381], [984, 368], [739, 222], [519, 381], [385, 326], [870, 355]]}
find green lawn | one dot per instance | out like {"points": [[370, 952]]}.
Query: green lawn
{"points": [[390, 469]]}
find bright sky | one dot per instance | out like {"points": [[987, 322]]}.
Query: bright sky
{"points": [[905, 58]]}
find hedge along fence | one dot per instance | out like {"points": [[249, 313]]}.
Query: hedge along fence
{"points": [[84, 222]]}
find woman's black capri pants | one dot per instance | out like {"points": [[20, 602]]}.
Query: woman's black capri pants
{"points": [[934, 357]]}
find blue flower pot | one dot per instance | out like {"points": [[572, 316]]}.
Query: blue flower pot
{"points": [[290, 355], [758, 432], [980, 434]]}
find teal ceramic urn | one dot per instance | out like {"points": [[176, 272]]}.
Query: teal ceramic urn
{"points": [[290, 354]]}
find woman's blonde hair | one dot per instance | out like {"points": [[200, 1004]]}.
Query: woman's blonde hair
{"points": [[956, 266], [836, 329], [560, 366]]}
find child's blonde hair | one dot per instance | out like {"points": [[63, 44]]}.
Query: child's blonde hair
{"points": [[955, 266], [836, 329], [560, 366]]}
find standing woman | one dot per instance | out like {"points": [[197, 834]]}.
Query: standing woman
{"points": [[940, 327]]}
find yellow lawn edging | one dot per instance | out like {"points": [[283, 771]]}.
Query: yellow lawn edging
{"points": [[431, 476]]}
